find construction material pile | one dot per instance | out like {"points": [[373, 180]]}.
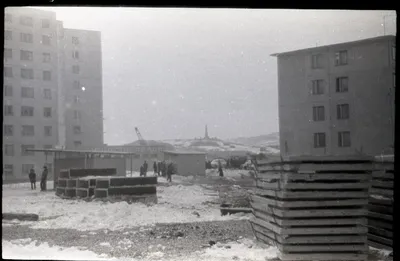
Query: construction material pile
{"points": [[102, 183], [380, 206], [313, 208]]}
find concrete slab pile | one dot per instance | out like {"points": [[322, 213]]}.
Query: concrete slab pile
{"points": [[313, 208]]}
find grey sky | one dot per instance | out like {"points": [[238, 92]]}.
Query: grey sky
{"points": [[171, 71]]}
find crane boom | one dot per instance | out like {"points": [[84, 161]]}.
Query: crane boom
{"points": [[140, 138]]}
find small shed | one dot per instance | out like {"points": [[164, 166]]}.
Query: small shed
{"points": [[188, 163]]}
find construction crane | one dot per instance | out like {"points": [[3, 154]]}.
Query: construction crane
{"points": [[140, 138]]}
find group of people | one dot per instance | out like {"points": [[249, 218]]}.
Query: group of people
{"points": [[160, 168], [43, 180]]}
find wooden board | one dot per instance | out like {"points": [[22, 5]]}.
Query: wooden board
{"points": [[21, 216], [380, 232], [380, 224], [381, 240], [314, 203], [381, 174], [322, 257], [313, 168], [310, 231], [309, 222], [312, 176], [379, 245], [381, 216], [380, 201], [310, 239], [382, 184], [362, 212], [380, 209], [311, 186], [311, 194], [383, 192]]}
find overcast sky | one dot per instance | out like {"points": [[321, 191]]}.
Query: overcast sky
{"points": [[171, 71]]}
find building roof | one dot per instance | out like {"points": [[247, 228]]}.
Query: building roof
{"points": [[183, 152], [84, 151], [368, 40]]}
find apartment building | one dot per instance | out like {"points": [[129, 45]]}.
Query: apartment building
{"points": [[38, 90], [338, 99]]}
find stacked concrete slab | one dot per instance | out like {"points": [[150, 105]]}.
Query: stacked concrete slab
{"points": [[313, 208], [380, 207]]}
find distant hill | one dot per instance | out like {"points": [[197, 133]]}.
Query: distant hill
{"points": [[271, 139]]}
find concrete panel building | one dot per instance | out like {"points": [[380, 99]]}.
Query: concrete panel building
{"points": [[338, 99], [187, 163], [38, 93]]}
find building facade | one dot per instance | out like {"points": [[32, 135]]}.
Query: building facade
{"points": [[338, 99], [34, 92]]}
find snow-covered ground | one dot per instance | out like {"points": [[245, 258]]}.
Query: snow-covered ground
{"points": [[176, 204], [243, 249]]}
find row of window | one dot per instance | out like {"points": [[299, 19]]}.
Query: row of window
{"points": [[28, 55], [343, 139], [9, 169], [340, 59], [26, 21], [29, 130], [342, 112], [318, 86], [27, 111], [26, 74], [26, 92], [28, 38]]}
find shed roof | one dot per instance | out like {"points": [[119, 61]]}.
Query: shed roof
{"points": [[374, 39], [185, 152]]}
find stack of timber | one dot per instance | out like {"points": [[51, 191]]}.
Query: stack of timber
{"points": [[380, 206], [313, 208]]}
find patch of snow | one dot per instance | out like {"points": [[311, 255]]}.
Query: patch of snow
{"points": [[105, 244], [157, 254], [45, 252]]}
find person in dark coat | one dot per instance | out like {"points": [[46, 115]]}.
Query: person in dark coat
{"points": [[158, 168], [155, 168], [32, 178], [141, 170], [169, 172], [43, 180], [221, 172], [145, 168]]}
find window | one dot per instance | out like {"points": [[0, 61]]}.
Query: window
{"points": [[75, 40], [8, 90], [75, 54], [394, 53], [9, 150], [46, 40], [316, 61], [48, 131], [343, 111], [26, 168], [8, 35], [28, 130], [26, 55], [8, 18], [8, 170], [318, 113], [26, 73], [26, 38], [8, 110], [344, 139], [24, 151], [45, 23], [77, 85], [47, 112], [8, 72], [319, 140], [341, 58], [76, 99], [317, 87], [77, 143], [46, 57], [77, 115], [8, 130], [77, 129], [75, 69], [342, 84], [7, 53], [27, 111], [46, 75], [26, 20], [47, 94], [27, 92]]}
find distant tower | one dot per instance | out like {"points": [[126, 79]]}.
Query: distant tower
{"points": [[206, 136]]}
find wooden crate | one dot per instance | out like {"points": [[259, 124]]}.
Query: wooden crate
{"points": [[313, 207]]}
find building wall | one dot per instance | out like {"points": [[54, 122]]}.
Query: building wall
{"points": [[188, 164], [370, 97], [39, 140], [89, 77]]}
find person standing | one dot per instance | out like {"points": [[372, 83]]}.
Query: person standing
{"points": [[169, 172], [32, 178], [155, 168], [158, 168], [221, 172], [43, 180], [145, 168], [141, 171]]}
